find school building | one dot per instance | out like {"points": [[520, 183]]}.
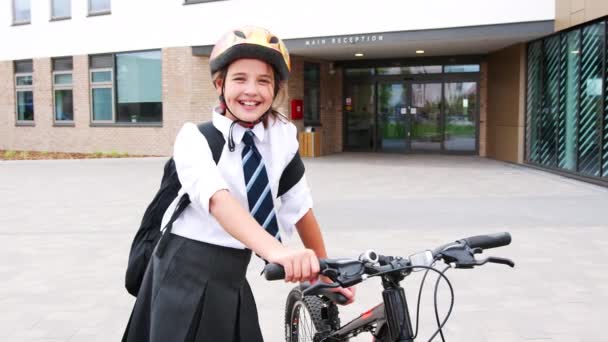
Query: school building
{"points": [[514, 80]]}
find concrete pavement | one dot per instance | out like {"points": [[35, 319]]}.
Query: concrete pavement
{"points": [[66, 226]]}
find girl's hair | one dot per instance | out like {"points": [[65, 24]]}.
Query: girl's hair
{"points": [[280, 93]]}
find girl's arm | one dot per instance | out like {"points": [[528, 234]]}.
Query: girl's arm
{"points": [[310, 233], [300, 265]]}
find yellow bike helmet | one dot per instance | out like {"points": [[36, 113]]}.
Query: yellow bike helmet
{"points": [[251, 42]]}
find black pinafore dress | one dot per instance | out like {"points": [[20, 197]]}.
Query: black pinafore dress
{"points": [[195, 292]]}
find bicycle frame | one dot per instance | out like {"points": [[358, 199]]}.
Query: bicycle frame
{"points": [[391, 317]]}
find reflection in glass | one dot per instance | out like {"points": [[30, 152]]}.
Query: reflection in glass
{"points": [[533, 100], [424, 116], [568, 100], [64, 105], [138, 83], [591, 100], [548, 118], [63, 79], [25, 105], [24, 80], [462, 68], [392, 110], [460, 116], [61, 8], [99, 6], [359, 72], [359, 110], [22, 13], [410, 70], [102, 104]]}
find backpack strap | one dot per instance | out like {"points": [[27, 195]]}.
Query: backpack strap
{"points": [[216, 142], [293, 172], [215, 139]]}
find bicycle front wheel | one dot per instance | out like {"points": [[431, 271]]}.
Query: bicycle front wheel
{"points": [[309, 318]]}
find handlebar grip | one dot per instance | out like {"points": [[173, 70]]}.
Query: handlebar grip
{"points": [[274, 271], [488, 241]]}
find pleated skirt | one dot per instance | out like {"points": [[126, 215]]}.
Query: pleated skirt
{"points": [[195, 292]]}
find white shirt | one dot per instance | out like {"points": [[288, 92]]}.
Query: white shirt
{"points": [[201, 178]]}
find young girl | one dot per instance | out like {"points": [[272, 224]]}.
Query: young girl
{"points": [[197, 290]]}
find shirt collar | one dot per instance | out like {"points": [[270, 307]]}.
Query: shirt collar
{"points": [[222, 123]]}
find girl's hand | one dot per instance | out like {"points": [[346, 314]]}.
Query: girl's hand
{"points": [[348, 292], [300, 265]]}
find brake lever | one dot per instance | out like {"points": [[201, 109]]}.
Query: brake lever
{"points": [[319, 285], [496, 260]]}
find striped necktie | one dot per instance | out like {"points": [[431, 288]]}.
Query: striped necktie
{"points": [[259, 195]]}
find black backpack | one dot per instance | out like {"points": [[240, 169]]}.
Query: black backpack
{"points": [[149, 234]]}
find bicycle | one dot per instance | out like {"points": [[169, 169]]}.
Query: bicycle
{"points": [[311, 313]]}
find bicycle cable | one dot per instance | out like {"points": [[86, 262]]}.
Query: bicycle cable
{"points": [[447, 316], [435, 301], [418, 304], [441, 276]]}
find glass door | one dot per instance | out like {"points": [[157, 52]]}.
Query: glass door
{"points": [[392, 117], [460, 116], [425, 117], [359, 110]]}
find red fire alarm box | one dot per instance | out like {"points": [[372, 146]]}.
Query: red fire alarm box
{"points": [[297, 109]]}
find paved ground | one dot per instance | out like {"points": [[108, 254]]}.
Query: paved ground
{"points": [[66, 226]]}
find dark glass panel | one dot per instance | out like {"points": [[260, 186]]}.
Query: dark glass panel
{"points": [[591, 101]]}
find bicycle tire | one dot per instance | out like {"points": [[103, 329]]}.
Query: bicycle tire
{"points": [[319, 313]]}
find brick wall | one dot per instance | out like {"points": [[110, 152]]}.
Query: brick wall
{"points": [[330, 102], [7, 104], [187, 93]]}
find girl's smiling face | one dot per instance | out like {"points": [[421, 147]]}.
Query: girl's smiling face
{"points": [[249, 89]]}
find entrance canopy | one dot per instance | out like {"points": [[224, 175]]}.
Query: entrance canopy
{"points": [[471, 40]]}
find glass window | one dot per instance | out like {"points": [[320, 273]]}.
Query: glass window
{"points": [[64, 105], [462, 68], [550, 103], [21, 11], [460, 100], [139, 87], [312, 93], [533, 100], [568, 100], [102, 104], [61, 9], [24, 80], [25, 105], [99, 6], [591, 99], [101, 76], [62, 89], [359, 72], [410, 70], [102, 89], [63, 79], [24, 91]]}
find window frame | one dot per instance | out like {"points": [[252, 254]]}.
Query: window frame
{"points": [[57, 18], [62, 87], [22, 22], [102, 85], [91, 13], [23, 88], [316, 122]]}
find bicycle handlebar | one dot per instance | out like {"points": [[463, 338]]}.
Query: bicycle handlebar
{"points": [[488, 241], [274, 271]]}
